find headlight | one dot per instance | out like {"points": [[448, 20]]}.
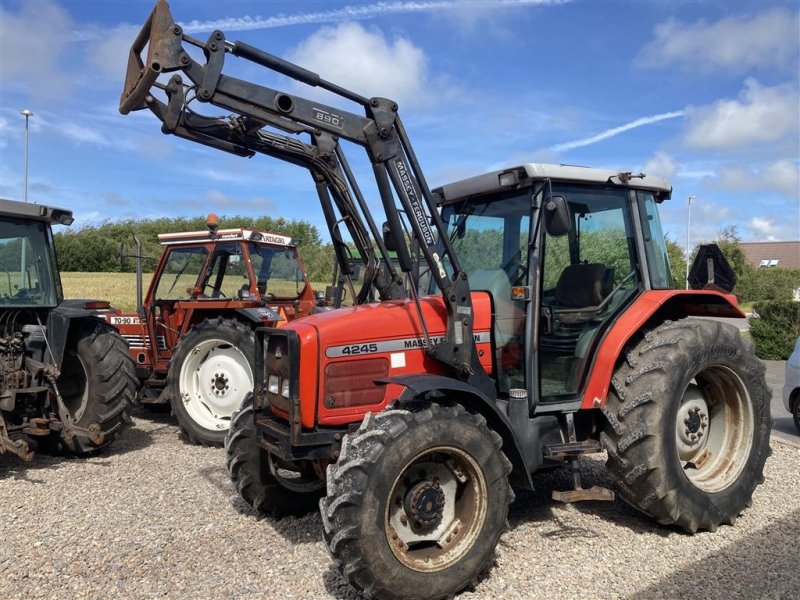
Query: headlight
{"points": [[285, 388], [273, 384]]}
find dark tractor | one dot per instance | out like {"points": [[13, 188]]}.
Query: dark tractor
{"points": [[66, 380]]}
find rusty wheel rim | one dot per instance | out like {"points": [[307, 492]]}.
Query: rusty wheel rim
{"points": [[436, 509], [714, 428]]}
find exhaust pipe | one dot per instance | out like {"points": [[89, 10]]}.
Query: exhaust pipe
{"points": [[139, 307]]}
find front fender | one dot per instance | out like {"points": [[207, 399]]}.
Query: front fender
{"points": [[654, 305], [418, 386]]}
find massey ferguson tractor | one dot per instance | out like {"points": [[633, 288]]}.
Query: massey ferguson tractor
{"points": [[532, 321], [66, 380], [191, 337]]}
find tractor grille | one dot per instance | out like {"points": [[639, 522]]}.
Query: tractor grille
{"points": [[354, 382]]}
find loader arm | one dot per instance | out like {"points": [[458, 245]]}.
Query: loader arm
{"points": [[398, 175]]}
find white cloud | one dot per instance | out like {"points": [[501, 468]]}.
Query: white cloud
{"points": [[760, 115], [366, 62], [608, 133], [737, 43], [661, 164], [219, 200], [109, 54], [32, 46], [782, 176], [355, 13], [3, 132], [80, 134], [765, 227]]}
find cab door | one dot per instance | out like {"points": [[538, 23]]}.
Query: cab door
{"points": [[181, 270]]}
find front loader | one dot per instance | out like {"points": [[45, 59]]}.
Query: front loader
{"points": [[531, 321]]}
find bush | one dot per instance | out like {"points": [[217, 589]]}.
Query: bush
{"points": [[776, 329], [756, 285]]}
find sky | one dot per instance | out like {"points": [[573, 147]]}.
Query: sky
{"points": [[706, 94]]}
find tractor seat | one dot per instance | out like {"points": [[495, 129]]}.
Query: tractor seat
{"points": [[583, 285]]}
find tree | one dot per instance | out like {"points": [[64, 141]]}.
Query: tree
{"points": [[677, 263], [730, 242]]}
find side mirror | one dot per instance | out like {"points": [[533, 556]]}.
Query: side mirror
{"points": [[557, 220], [388, 238], [332, 295]]}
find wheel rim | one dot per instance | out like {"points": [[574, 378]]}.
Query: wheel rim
{"points": [[714, 428], [73, 385], [436, 509], [214, 379]]}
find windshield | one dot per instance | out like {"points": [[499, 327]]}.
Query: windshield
{"points": [[278, 274], [489, 237], [26, 264]]}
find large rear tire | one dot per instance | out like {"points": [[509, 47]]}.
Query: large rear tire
{"points": [[210, 373], [98, 384], [688, 424], [417, 502], [268, 489]]}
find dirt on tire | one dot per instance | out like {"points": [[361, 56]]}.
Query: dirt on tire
{"points": [[98, 365], [642, 412]]}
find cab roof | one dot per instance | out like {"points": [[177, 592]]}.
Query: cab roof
{"points": [[527, 173], [226, 235], [35, 212]]}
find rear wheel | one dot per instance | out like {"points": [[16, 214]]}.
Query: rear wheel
{"points": [[270, 488], [210, 373], [98, 385], [689, 424], [417, 502], [796, 412]]}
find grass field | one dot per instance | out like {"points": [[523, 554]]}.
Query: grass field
{"points": [[117, 288]]}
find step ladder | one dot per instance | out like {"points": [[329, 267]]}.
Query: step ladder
{"points": [[570, 451]]}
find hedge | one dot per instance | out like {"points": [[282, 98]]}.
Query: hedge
{"points": [[776, 329]]}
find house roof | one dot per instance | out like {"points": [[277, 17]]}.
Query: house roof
{"points": [[765, 254]]}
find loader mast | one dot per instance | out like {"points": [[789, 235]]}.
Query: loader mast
{"points": [[404, 192]]}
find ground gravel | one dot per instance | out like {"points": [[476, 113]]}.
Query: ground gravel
{"points": [[156, 517]]}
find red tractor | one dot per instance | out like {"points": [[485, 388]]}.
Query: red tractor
{"points": [[532, 320], [192, 335]]}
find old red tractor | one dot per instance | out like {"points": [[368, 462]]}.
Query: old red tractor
{"points": [[192, 335]]}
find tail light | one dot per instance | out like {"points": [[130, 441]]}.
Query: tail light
{"points": [[353, 383]]}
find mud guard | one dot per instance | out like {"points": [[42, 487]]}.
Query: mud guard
{"points": [[260, 315], [522, 443], [663, 304], [59, 324]]}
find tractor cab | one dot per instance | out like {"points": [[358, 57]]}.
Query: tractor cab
{"points": [[561, 250]]}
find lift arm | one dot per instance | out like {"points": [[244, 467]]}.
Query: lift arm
{"points": [[380, 132]]}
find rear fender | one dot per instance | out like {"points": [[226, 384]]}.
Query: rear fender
{"points": [[61, 322], [650, 308], [437, 388]]}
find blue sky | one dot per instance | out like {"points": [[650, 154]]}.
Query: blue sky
{"points": [[704, 93]]}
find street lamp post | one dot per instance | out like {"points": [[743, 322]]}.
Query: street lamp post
{"points": [[23, 258], [27, 114], [688, 238]]}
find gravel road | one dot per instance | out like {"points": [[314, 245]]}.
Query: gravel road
{"points": [[157, 517]]}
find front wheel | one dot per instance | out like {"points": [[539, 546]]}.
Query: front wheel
{"points": [[270, 489], [796, 413], [417, 502], [689, 424], [210, 373]]}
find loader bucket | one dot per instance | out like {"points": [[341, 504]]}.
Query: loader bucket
{"points": [[163, 37]]}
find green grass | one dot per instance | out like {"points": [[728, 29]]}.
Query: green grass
{"points": [[117, 288]]}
